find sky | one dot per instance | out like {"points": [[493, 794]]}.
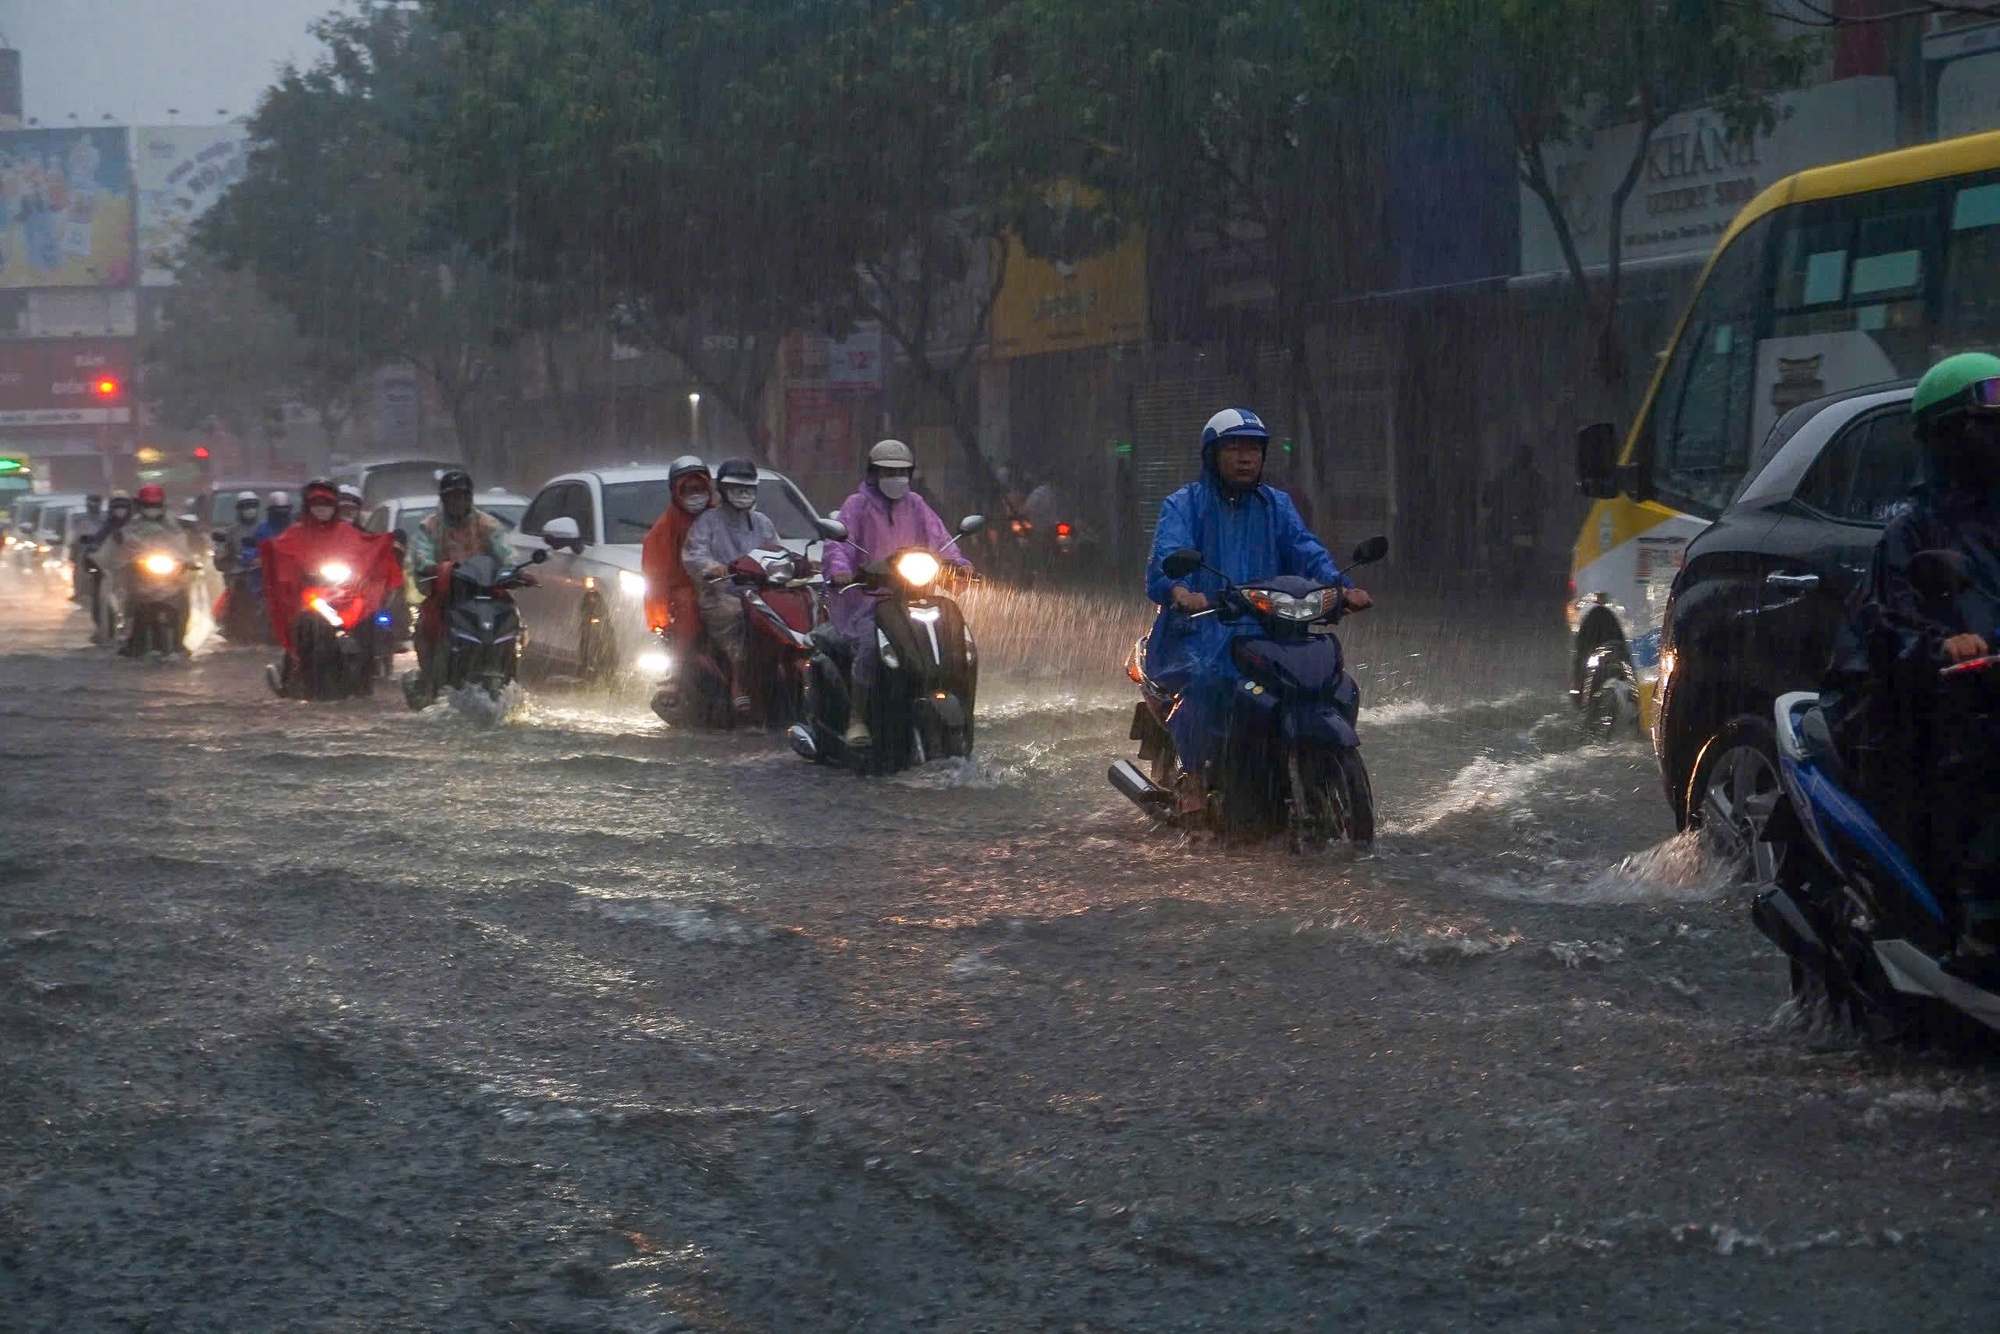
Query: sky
{"points": [[136, 59]]}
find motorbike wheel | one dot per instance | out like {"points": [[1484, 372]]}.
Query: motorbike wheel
{"points": [[1335, 805], [596, 650]]}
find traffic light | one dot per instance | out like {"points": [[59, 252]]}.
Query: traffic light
{"points": [[107, 388], [201, 458]]}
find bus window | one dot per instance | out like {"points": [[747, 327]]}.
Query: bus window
{"points": [[1970, 308], [1701, 439]]}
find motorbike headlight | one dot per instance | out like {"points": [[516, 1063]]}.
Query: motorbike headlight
{"points": [[631, 585], [335, 573], [655, 662], [160, 563], [918, 569]]}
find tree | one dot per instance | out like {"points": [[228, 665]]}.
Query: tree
{"points": [[228, 353], [1561, 69], [338, 228]]}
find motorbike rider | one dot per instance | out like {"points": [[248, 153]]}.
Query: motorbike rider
{"points": [[883, 516], [86, 529], [148, 531], [277, 518], [455, 531], [236, 545], [117, 513], [1926, 770], [715, 540], [349, 508], [291, 559], [673, 606], [1247, 530]]}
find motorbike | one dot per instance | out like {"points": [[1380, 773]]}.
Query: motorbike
{"points": [[927, 679], [1866, 936], [480, 643], [240, 615], [1291, 761], [334, 636], [155, 613], [783, 603]]}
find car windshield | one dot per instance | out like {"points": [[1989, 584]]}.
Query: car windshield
{"points": [[508, 512], [632, 508]]}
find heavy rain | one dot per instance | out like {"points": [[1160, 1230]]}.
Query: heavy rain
{"points": [[574, 570]]}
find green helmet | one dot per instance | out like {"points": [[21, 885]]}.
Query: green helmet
{"points": [[1955, 385]]}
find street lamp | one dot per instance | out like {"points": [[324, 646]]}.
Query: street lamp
{"points": [[694, 421]]}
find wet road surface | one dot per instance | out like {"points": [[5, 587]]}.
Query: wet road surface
{"points": [[340, 1018]]}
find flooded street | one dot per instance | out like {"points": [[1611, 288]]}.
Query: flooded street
{"points": [[335, 1017]]}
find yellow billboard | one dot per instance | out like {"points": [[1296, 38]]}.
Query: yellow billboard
{"points": [[1052, 305]]}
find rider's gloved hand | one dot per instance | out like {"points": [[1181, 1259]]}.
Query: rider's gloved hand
{"points": [[1187, 600]]}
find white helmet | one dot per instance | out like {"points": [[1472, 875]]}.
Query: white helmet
{"points": [[246, 497], [279, 498], [891, 454]]}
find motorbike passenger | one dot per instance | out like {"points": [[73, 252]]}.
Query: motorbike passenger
{"points": [[148, 531], [883, 517], [1926, 770], [673, 606], [1247, 531], [291, 559], [349, 508], [726, 532], [86, 530]]}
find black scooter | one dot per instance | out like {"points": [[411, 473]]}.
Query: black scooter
{"points": [[927, 680], [1292, 758], [481, 644]]}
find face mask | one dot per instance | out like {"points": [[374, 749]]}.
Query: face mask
{"points": [[895, 488], [324, 513], [153, 513], [694, 502], [246, 517], [740, 497]]}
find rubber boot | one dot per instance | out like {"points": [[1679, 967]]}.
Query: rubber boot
{"points": [[858, 737]]}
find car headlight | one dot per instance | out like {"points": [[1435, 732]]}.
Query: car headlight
{"points": [[655, 662], [631, 585], [918, 569], [160, 563], [335, 573]]}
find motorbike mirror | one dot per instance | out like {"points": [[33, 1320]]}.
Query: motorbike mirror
{"points": [[1182, 563], [971, 524], [540, 557], [1939, 573], [831, 528], [1374, 549]]}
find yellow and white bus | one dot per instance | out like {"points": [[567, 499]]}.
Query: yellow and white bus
{"points": [[1846, 275]]}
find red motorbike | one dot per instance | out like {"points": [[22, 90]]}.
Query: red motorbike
{"points": [[784, 603]]}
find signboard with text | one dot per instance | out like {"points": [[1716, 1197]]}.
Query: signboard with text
{"points": [[65, 208], [180, 171], [61, 383], [1696, 178]]}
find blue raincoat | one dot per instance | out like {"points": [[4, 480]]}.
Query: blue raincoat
{"points": [[1255, 535]]}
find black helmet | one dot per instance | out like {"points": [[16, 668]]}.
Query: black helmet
{"points": [[454, 479], [320, 484], [740, 471]]}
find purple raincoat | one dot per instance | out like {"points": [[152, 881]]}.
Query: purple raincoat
{"points": [[877, 527]]}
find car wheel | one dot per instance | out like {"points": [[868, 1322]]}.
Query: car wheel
{"points": [[1733, 794]]}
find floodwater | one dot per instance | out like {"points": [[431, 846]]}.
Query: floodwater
{"points": [[337, 1017]]}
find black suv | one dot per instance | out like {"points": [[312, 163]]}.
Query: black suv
{"points": [[1755, 611]]}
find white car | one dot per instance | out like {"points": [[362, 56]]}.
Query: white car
{"points": [[587, 611], [403, 513]]}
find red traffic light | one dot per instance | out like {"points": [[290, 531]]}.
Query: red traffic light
{"points": [[201, 451], [106, 387]]}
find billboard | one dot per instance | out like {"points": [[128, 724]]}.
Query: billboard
{"points": [[57, 382], [180, 171], [65, 208], [1049, 305]]}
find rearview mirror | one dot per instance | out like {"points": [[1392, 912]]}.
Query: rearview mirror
{"points": [[831, 528], [1939, 573], [1182, 563], [540, 557], [1374, 549], [1597, 461], [971, 524], [563, 532]]}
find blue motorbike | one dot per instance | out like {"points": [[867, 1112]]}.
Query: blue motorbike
{"points": [[1866, 935], [1291, 761]]}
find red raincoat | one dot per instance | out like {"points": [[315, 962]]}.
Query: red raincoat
{"points": [[671, 600], [292, 560]]}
